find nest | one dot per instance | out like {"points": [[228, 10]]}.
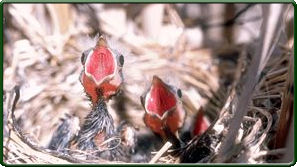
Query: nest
{"points": [[43, 45]]}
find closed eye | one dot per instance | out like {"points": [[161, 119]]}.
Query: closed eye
{"points": [[121, 60], [179, 93]]}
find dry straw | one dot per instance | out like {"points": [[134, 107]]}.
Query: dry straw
{"points": [[248, 95]]}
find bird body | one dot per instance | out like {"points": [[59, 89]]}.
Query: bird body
{"points": [[65, 132]]}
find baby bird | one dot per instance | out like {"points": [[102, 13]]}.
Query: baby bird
{"points": [[164, 113], [101, 78]]}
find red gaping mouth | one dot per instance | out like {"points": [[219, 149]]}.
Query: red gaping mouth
{"points": [[102, 75], [159, 98], [163, 110], [201, 124], [100, 64]]}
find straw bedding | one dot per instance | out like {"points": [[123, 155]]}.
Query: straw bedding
{"points": [[42, 48]]}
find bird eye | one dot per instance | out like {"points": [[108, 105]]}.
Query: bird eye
{"points": [[121, 60], [179, 93], [84, 56]]}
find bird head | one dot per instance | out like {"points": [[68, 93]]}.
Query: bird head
{"points": [[201, 123], [102, 73], [163, 108]]}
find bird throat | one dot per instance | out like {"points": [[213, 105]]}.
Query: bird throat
{"points": [[98, 127]]}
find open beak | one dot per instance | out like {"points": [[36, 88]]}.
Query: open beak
{"points": [[101, 76], [201, 123], [159, 98], [162, 108], [100, 63]]}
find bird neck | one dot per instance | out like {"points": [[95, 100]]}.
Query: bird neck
{"points": [[173, 138], [101, 119], [97, 127]]}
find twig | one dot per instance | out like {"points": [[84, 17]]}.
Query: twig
{"points": [[174, 16], [166, 146], [269, 152], [231, 21]]}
